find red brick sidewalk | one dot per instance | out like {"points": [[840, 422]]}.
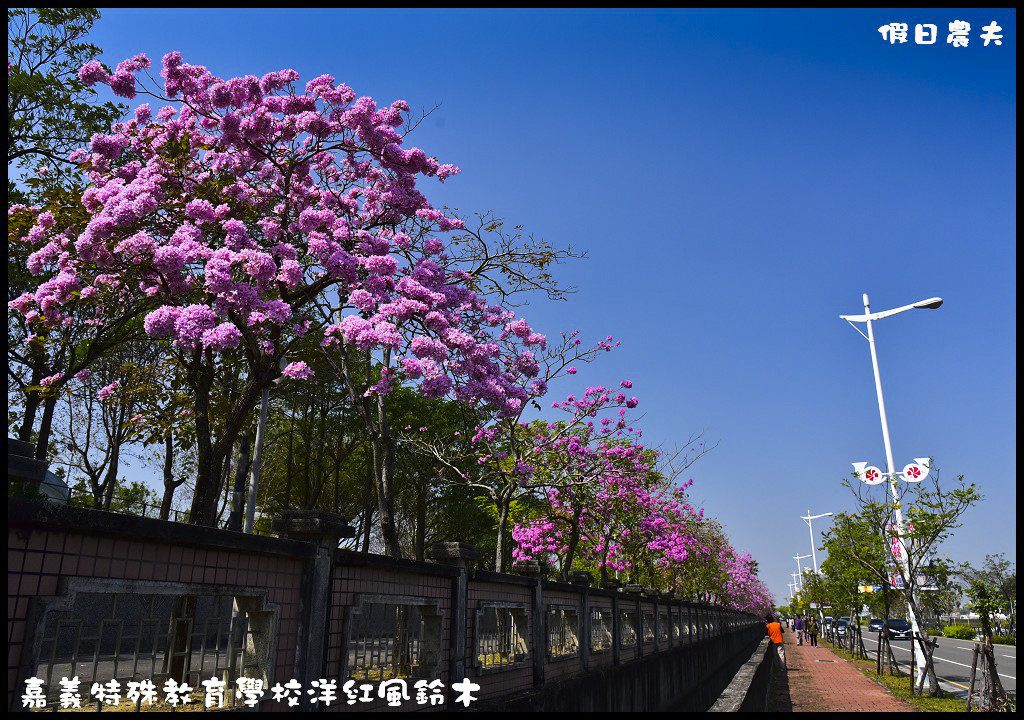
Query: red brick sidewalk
{"points": [[820, 681]]}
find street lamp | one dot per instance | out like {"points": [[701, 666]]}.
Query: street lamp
{"points": [[913, 472], [254, 477], [799, 571], [808, 518]]}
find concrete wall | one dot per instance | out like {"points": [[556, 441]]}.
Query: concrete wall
{"points": [[312, 596]]}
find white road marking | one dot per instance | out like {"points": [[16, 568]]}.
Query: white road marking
{"points": [[954, 662], [942, 679]]}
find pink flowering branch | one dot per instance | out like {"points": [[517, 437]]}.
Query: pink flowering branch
{"points": [[227, 217]]}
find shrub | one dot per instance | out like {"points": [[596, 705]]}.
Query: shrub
{"points": [[1004, 640], [959, 632], [934, 632]]}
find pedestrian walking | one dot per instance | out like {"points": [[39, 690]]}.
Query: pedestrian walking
{"points": [[774, 631], [798, 627], [812, 630]]}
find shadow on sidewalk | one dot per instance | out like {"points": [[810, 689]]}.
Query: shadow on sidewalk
{"points": [[781, 701]]}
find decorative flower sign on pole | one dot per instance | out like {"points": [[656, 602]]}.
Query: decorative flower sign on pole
{"points": [[868, 474], [917, 470], [912, 472]]}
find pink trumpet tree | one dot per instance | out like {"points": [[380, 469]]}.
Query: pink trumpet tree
{"points": [[229, 219], [508, 454], [743, 589]]}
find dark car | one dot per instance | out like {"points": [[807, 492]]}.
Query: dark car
{"points": [[841, 625], [876, 625], [898, 629]]}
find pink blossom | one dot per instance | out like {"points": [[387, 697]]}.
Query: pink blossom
{"points": [[108, 392], [92, 72], [298, 370]]}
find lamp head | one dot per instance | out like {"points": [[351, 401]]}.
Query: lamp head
{"points": [[930, 303]]}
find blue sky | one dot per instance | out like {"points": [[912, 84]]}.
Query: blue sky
{"points": [[738, 180]]}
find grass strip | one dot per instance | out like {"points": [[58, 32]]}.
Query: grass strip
{"points": [[899, 687]]}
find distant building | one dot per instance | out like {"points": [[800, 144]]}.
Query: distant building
{"points": [[55, 488], [31, 475]]}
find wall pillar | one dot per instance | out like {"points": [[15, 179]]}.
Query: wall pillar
{"points": [[536, 569], [460, 556], [583, 579], [324, 530]]}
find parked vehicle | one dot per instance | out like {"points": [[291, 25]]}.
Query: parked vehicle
{"points": [[827, 623], [841, 625], [899, 629], [876, 625]]}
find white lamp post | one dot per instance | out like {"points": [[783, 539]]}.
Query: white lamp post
{"points": [[799, 571], [808, 518], [254, 477], [912, 472]]}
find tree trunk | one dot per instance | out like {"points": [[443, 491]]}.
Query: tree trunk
{"points": [[236, 521], [367, 506], [574, 541], [165, 503], [385, 502], [111, 482], [225, 500], [211, 455], [929, 668], [170, 484], [45, 425], [32, 400], [384, 465], [205, 499], [421, 521], [604, 557], [994, 686], [202, 503], [504, 506]]}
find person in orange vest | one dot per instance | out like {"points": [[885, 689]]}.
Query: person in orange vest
{"points": [[774, 631]]}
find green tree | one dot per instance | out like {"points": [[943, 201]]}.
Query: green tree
{"points": [[50, 112], [992, 696], [931, 513], [702, 576], [99, 424], [843, 580], [999, 575], [945, 596]]}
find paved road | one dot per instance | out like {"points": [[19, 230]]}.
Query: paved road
{"points": [[953, 662]]}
